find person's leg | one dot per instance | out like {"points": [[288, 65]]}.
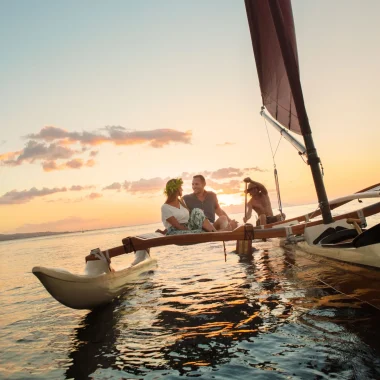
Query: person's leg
{"points": [[262, 219], [198, 221], [207, 226], [221, 224], [233, 224]]}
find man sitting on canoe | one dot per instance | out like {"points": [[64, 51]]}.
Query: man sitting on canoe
{"points": [[260, 202], [208, 202], [175, 215]]}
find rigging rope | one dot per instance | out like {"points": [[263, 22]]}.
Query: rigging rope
{"points": [[275, 169]]}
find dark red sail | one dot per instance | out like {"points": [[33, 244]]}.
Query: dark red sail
{"points": [[276, 90]]}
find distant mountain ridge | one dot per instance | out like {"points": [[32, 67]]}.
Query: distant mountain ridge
{"points": [[5, 237]]}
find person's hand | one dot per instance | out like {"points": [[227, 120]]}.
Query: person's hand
{"points": [[245, 220], [233, 224], [247, 180]]}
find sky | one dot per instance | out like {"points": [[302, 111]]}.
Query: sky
{"points": [[102, 102]]}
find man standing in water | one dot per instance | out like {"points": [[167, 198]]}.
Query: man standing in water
{"points": [[208, 202], [260, 202]]}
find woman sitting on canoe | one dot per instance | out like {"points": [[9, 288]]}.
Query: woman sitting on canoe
{"points": [[175, 215]]}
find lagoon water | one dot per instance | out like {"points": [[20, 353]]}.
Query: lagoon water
{"points": [[278, 314]]}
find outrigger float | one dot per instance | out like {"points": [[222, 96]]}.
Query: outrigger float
{"points": [[342, 237]]}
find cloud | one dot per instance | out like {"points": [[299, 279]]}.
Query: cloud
{"points": [[223, 173], [49, 133], [37, 151], [255, 169], [227, 173], [90, 163], [93, 196], [52, 144], [9, 159], [114, 186], [156, 138], [17, 197], [80, 188], [213, 178], [64, 200], [116, 135], [118, 186], [142, 186], [148, 185], [76, 163]]}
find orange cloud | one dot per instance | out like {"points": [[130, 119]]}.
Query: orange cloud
{"points": [[9, 155], [93, 196], [52, 144], [76, 163], [113, 134]]}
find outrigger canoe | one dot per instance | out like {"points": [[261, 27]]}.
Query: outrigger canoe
{"points": [[98, 285]]}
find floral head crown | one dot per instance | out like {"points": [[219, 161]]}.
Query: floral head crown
{"points": [[172, 186]]}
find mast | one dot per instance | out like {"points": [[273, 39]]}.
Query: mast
{"points": [[295, 85]]}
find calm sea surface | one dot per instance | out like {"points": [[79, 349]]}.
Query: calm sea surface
{"points": [[279, 314]]}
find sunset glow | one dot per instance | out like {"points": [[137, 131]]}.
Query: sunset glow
{"points": [[96, 119]]}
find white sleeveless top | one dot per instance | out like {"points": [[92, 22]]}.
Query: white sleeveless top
{"points": [[181, 214]]}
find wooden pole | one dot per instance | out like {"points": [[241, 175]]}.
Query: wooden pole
{"points": [[245, 200], [244, 246]]}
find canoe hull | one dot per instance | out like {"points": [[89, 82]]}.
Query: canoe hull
{"points": [[367, 256], [90, 291]]}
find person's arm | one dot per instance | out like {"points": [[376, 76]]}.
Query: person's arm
{"points": [[174, 222], [220, 212], [249, 212], [167, 214], [259, 185]]}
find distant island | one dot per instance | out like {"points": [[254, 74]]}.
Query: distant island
{"points": [[4, 237]]}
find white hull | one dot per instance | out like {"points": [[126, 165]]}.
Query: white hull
{"points": [[368, 255], [92, 289], [344, 247]]}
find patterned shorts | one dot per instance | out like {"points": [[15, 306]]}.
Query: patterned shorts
{"points": [[194, 225]]}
